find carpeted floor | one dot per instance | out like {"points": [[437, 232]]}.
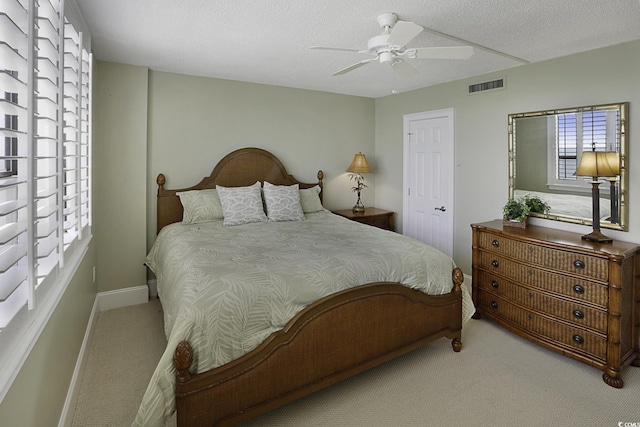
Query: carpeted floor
{"points": [[498, 379], [126, 346]]}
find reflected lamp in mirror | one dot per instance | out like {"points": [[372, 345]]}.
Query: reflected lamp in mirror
{"points": [[542, 162], [358, 166], [598, 164]]}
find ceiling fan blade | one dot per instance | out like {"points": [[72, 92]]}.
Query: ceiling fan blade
{"points": [[342, 49], [353, 67], [404, 69], [450, 52], [403, 32]]}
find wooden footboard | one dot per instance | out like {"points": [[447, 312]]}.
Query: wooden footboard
{"points": [[336, 337]]}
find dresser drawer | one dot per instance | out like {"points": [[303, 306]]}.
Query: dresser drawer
{"points": [[561, 260], [573, 312], [533, 324], [573, 296], [581, 289]]}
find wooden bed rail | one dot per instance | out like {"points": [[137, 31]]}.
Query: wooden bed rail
{"points": [[332, 339]]}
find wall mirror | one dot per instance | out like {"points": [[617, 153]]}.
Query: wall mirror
{"points": [[545, 148]]}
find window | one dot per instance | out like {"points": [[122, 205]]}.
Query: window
{"points": [[570, 135], [45, 217]]}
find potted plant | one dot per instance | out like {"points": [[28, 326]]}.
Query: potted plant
{"points": [[536, 204], [515, 213]]}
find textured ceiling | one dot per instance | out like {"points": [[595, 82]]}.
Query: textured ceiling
{"points": [[267, 41]]}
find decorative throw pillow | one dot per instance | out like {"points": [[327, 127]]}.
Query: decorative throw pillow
{"points": [[283, 202], [310, 200], [241, 205], [200, 206]]}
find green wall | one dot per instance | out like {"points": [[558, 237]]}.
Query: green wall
{"points": [[119, 166], [195, 121], [531, 160], [38, 393], [602, 76], [149, 122]]}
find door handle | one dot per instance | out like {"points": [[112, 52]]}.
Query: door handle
{"points": [[441, 208]]}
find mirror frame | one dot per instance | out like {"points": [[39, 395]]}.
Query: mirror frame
{"points": [[623, 108]]}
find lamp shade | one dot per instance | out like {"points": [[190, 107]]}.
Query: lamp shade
{"points": [[599, 164], [359, 164]]}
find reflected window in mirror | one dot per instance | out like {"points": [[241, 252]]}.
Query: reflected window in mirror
{"points": [[573, 134], [545, 148]]}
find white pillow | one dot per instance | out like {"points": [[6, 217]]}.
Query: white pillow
{"points": [[310, 200], [241, 205], [200, 206], [283, 202]]}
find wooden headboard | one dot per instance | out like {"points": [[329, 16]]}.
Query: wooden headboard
{"points": [[237, 169]]}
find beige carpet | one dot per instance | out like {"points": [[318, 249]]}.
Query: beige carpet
{"points": [[126, 346], [498, 379]]}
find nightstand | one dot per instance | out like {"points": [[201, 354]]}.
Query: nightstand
{"points": [[371, 216]]}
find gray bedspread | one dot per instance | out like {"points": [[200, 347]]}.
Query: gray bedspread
{"points": [[226, 289]]}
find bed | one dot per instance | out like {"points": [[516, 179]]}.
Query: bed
{"points": [[338, 297]]}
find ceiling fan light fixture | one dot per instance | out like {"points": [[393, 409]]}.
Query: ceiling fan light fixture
{"points": [[386, 57], [389, 47]]}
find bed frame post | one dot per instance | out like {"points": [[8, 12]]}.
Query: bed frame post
{"points": [[458, 277], [182, 360], [160, 180]]}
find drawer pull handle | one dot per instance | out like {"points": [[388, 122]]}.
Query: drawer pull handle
{"points": [[578, 339], [578, 289], [494, 284], [579, 264], [495, 243], [495, 263], [494, 304], [578, 314]]}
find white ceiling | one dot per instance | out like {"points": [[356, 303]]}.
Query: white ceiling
{"points": [[267, 41]]}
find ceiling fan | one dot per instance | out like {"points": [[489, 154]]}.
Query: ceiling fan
{"points": [[389, 47]]}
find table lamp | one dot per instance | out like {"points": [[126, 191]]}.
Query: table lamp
{"points": [[358, 166]]}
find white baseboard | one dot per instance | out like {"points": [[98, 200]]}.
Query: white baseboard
{"points": [[104, 301], [123, 297], [66, 418]]}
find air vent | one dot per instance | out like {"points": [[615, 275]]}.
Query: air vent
{"points": [[485, 86]]}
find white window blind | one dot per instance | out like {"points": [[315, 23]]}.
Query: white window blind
{"points": [[71, 148], [14, 265], [567, 137], [85, 140], [576, 133], [46, 165], [45, 83]]}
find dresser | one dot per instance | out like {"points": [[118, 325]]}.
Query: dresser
{"points": [[575, 297], [373, 216]]}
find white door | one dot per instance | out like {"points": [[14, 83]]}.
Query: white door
{"points": [[428, 178]]}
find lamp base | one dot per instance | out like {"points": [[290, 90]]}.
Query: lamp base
{"points": [[597, 236], [358, 207]]}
